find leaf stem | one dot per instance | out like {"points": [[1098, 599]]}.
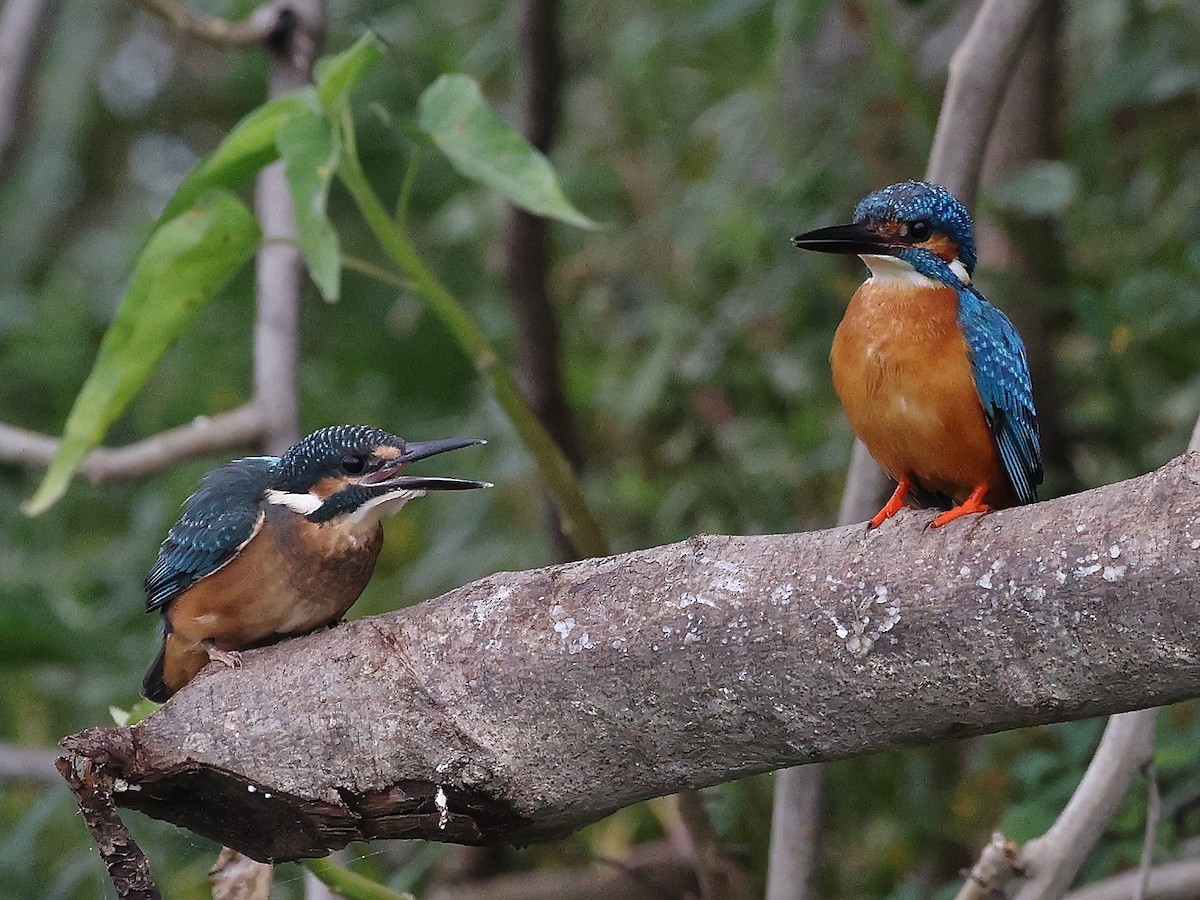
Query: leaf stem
{"points": [[349, 884], [585, 531]]}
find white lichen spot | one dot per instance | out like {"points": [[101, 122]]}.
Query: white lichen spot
{"points": [[732, 585], [1084, 571], [985, 581], [1113, 573], [1080, 528], [782, 594], [690, 638], [1196, 544], [442, 802], [1036, 594], [1060, 576], [964, 571], [881, 593], [484, 608], [250, 789], [1114, 551], [564, 627], [726, 566]]}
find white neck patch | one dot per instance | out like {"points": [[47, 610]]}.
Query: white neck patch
{"points": [[302, 503], [893, 271]]}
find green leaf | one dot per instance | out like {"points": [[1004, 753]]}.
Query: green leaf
{"points": [[336, 76], [454, 114], [311, 152], [238, 158], [185, 262]]}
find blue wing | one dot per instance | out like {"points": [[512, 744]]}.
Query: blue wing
{"points": [[1002, 380], [218, 519]]}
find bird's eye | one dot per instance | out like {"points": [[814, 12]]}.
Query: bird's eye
{"points": [[353, 465], [919, 230]]}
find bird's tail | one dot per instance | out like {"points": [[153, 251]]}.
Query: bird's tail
{"points": [[154, 687]]}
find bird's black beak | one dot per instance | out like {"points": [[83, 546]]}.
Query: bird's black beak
{"points": [[854, 238], [388, 476]]}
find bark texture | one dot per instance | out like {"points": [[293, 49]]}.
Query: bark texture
{"points": [[528, 704]]}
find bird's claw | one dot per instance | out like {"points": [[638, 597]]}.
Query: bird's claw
{"points": [[231, 658]]}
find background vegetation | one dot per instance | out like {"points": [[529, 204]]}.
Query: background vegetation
{"points": [[695, 353]]}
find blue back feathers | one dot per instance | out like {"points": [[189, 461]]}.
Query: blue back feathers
{"points": [[217, 519]]}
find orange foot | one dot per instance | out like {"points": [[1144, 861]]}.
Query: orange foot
{"points": [[894, 505], [973, 504], [231, 658]]}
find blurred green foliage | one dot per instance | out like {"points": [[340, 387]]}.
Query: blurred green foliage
{"points": [[695, 350]]}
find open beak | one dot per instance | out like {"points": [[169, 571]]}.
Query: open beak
{"points": [[389, 476], [854, 238]]}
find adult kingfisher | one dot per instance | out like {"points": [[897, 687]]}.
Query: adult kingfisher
{"points": [[272, 547], [932, 377]]}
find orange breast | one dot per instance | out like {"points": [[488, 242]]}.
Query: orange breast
{"points": [[901, 369], [292, 578]]}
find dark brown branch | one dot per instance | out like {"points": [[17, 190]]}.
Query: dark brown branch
{"points": [[93, 784], [527, 250], [495, 711], [24, 29]]}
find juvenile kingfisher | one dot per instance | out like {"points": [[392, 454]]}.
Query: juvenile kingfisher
{"points": [[933, 378], [276, 546]]}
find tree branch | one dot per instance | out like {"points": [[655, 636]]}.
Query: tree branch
{"points": [[24, 29], [1053, 860], [28, 764], [528, 704], [1169, 881], [979, 74], [210, 29]]}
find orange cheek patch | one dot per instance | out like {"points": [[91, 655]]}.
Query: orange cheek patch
{"points": [[326, 487], [942, 246]]}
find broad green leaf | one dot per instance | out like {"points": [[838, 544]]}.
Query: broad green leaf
{"points": [[185, 262], [336, 76], [238, 158], [311, 153], [454, 114]]}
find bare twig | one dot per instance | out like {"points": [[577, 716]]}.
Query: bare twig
{"points": [[24, 28], [1053, 860], [712, 866], [27, 764], [237, 877], [200, 437], [1168, 881], [210, 29], [795, 828], [997, 865], [527, 252], [979, 73], [92, 784], [1153, 814]]}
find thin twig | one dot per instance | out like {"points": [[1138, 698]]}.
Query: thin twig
{"points": [[24, 28], [28, 764], [200, 437], [712, 867], [210, 29], [1168, 881], [1153, 815], [998, 864]]}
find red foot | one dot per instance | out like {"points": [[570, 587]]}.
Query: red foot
{"points": [[894, 505], [973, 504], [231, 658]]}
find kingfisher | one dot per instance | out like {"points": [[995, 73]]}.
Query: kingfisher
{"points": [[933, 377], [270, 547]]}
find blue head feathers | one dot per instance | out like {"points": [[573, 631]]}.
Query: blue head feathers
{"points": [[914, 201]]}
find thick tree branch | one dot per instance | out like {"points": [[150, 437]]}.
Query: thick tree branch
{"points": [[528, 704]]}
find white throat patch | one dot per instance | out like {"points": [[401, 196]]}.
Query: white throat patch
{"points": [[378, 507], [893, 271]]}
